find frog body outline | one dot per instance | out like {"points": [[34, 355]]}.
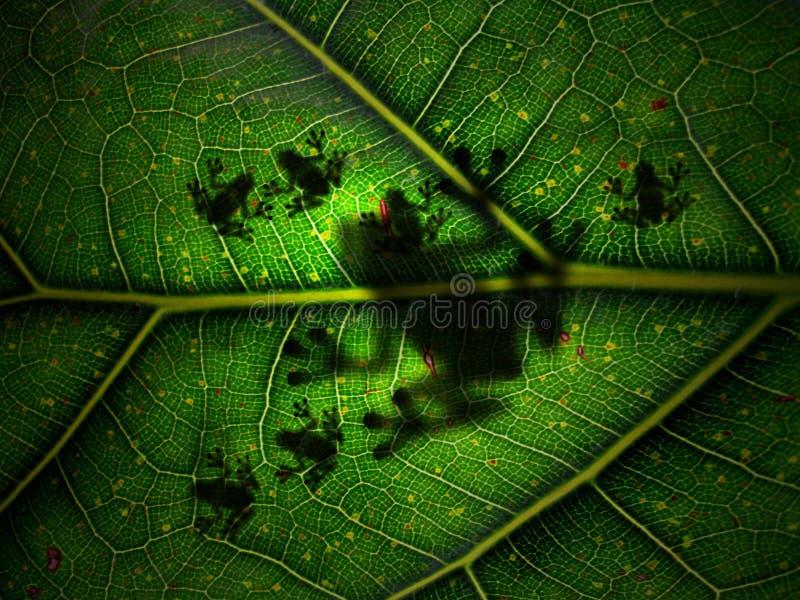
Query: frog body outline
{"points": [[650, 193], [233, 496], [305, 174], [230, 200], [317, 442], [405, 231]]}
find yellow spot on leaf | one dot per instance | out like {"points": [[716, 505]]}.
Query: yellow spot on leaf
{"points": [[585, 118], [523, 115]]}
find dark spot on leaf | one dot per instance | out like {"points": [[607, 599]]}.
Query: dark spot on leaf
{"points": [[463, 158], [298, 377], [373, 420], [447, 187], [527, 262], [498, 158], [293, 348], [317, 334], [402, 397], [382, 451]]}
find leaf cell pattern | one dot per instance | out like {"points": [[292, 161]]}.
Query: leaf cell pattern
{"points": [[226, 226]]}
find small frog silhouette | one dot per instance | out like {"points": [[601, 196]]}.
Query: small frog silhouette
{"points": [[650, 194], [225, 494], [401, 228], [305, 174], [319, 445], [223, 207]]}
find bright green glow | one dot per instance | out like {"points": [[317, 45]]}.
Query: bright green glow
{"points": [[639, 438]]}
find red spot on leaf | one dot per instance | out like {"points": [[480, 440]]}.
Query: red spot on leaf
{"points": [[427, 356], [784, 399], [33, 591], [53, 558], [623, 164], [658, 104], [564, 336]]}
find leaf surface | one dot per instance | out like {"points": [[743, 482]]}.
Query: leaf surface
{"points": [[521, 322]]}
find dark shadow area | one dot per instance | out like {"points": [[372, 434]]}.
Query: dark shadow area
{"points": [[314, 446], [651, 193], [230, 497], [230, 200], [466, 345], [310, 177], [403, 226]]}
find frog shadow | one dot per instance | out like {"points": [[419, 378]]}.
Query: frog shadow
{"points": [[462, 366], [230, 495], [315, 445]]}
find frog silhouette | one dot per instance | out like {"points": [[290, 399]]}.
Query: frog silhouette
{"points": [[226, 495], [316, 443], [230, 200], [651, 194], [306, 174]]}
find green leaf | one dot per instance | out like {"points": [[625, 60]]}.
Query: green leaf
{"points": [[222, 376]]}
